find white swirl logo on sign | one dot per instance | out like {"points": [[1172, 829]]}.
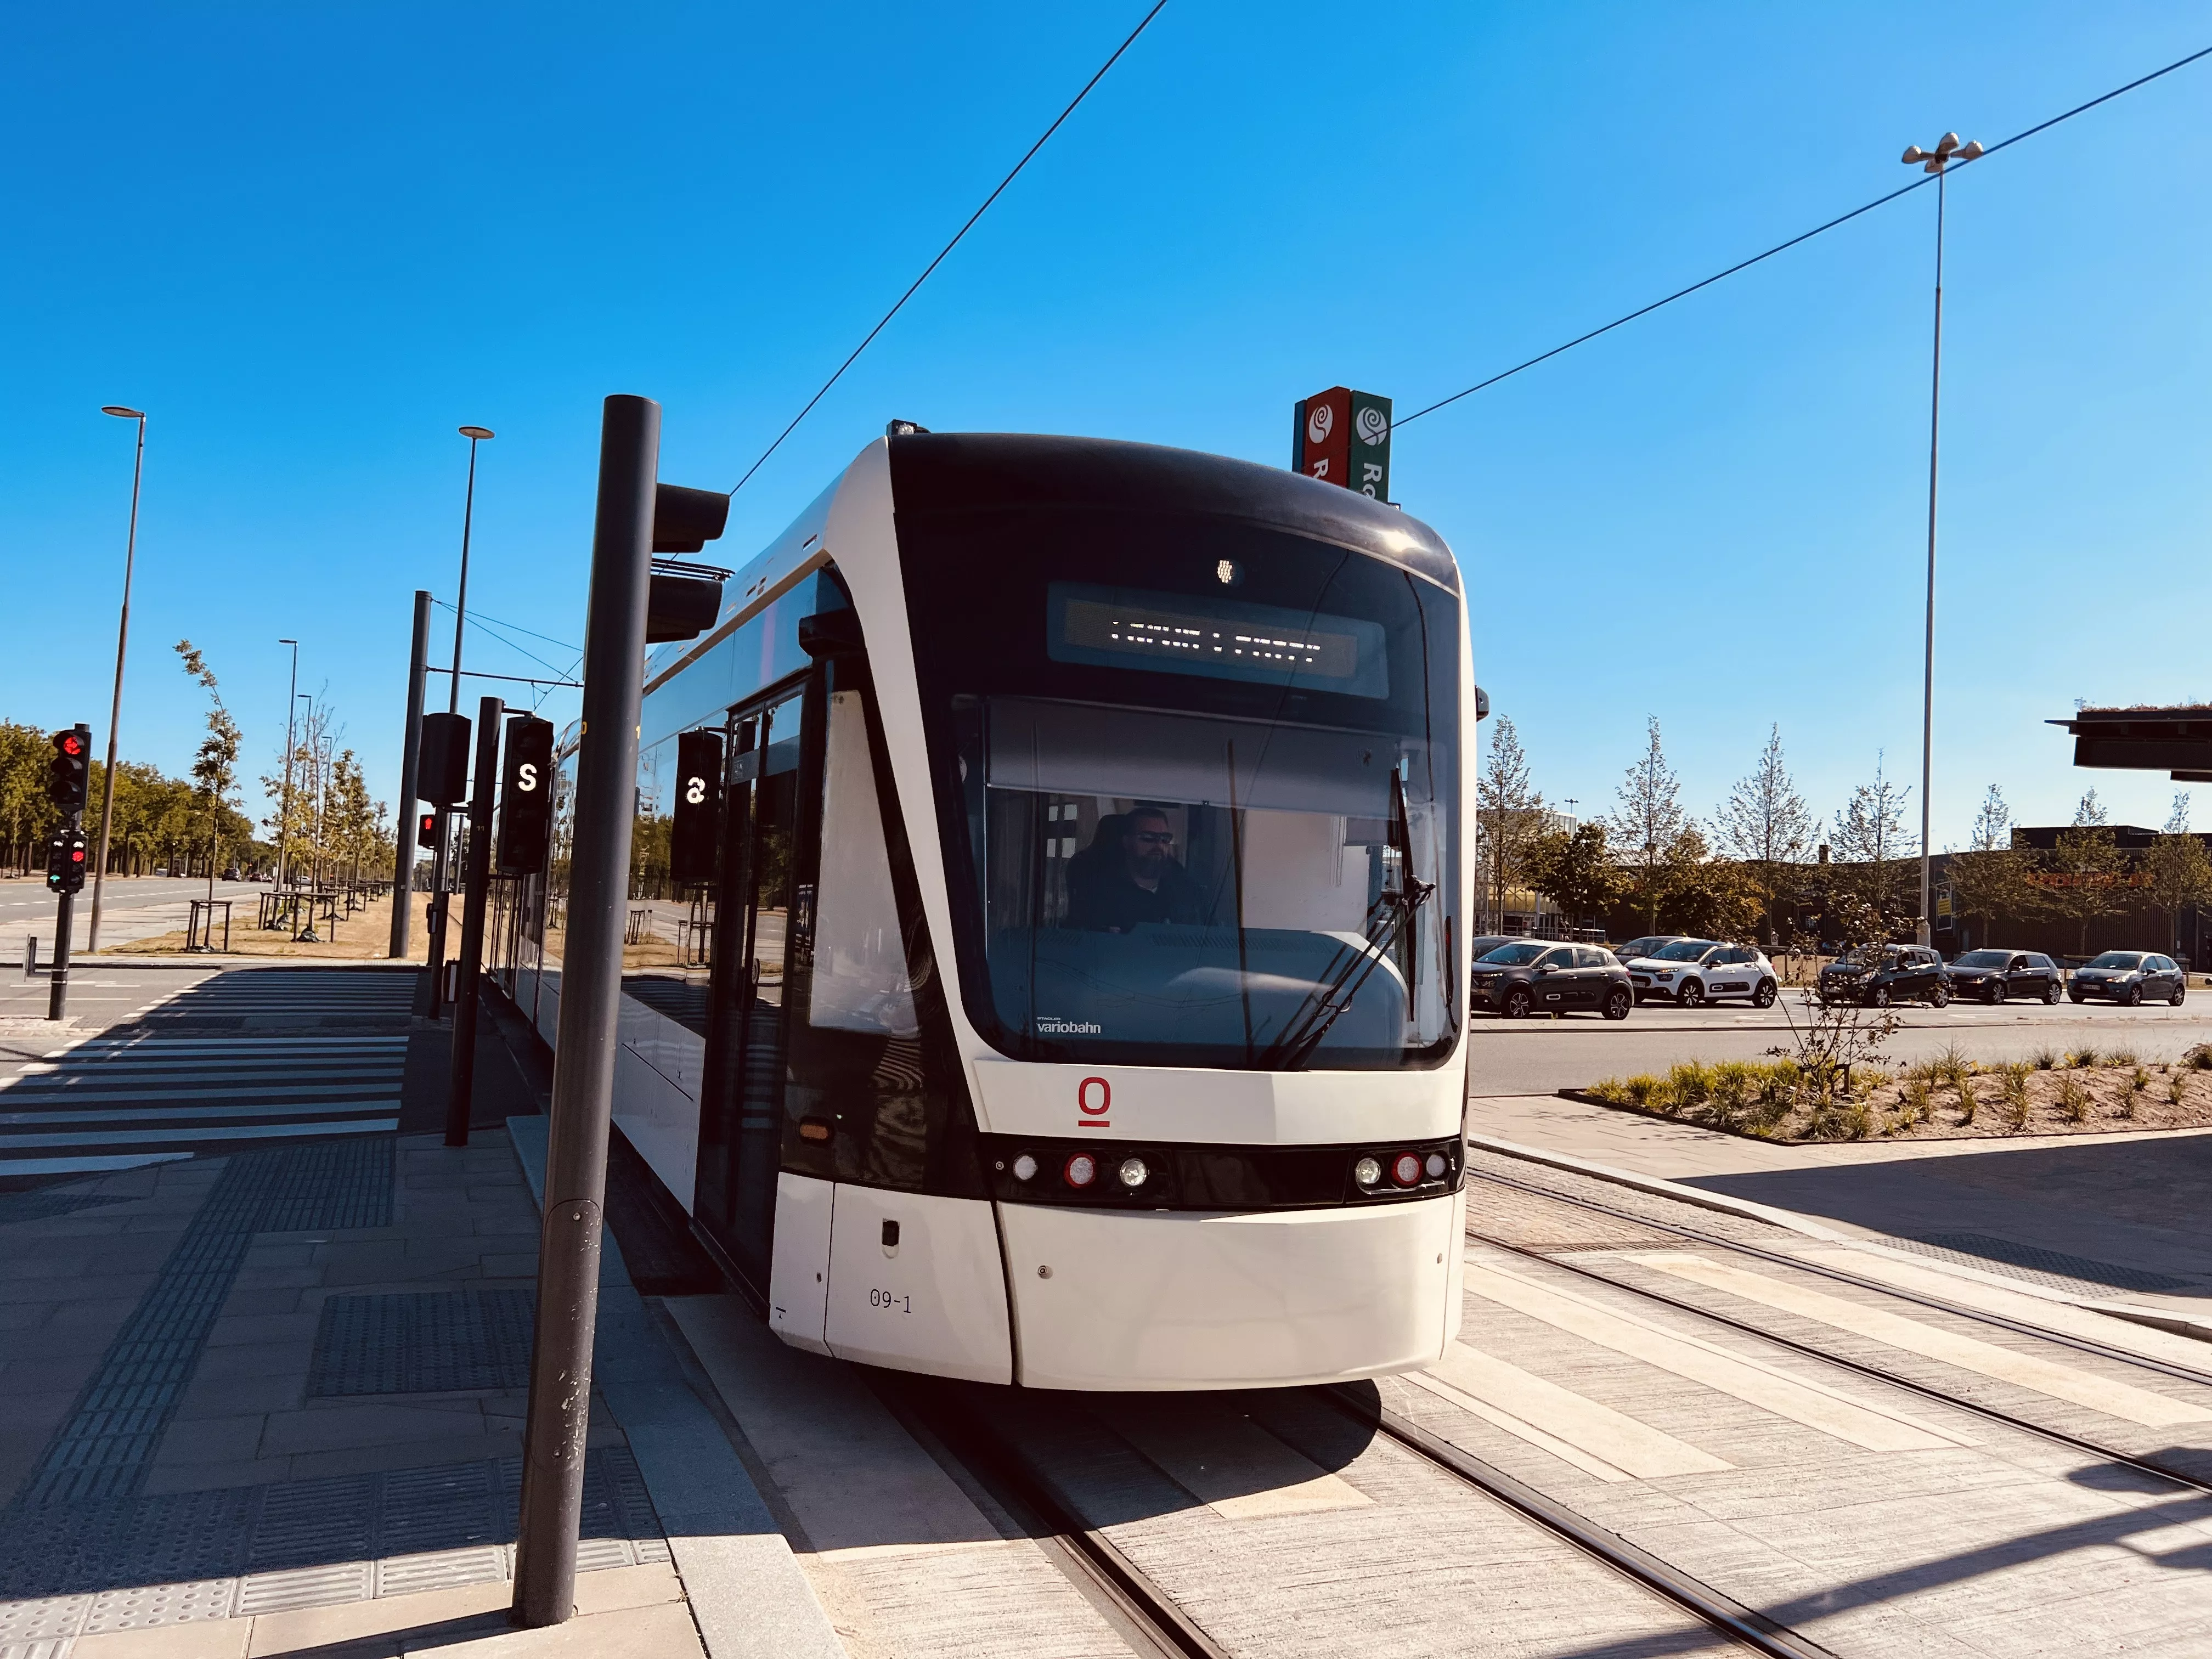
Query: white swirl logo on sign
{"points": [[1319, 419], [1372, 425]]}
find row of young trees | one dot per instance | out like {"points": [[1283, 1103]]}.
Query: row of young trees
{"points": [[331, 826], [1742, 873]]}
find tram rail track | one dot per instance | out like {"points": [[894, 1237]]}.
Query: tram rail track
{"points": [[1877, 1373]]}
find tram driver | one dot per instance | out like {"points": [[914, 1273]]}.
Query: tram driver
{"points": [[1129, 875]]}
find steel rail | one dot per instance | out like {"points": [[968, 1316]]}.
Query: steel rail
{"points": [[1731, 1618], [1036, 1503], [1862, 1368], [1842, 1276]]}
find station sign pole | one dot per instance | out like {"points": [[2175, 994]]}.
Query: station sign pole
{"points": [[402, 870], [590, 994], [476, 892]]}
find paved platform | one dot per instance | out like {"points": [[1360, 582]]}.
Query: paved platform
{"points": [[266, 1396]]}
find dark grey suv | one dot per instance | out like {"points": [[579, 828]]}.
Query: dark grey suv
{"points": [[1993, 975]]}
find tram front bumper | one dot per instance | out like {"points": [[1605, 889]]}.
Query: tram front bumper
{"points": [[1167, 1300]]}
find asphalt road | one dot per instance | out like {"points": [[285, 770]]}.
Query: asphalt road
{"points": [[1536, 1056], [130, 906]]}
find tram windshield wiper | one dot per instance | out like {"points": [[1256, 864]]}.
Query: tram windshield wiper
{"points": [[1389, 924]]}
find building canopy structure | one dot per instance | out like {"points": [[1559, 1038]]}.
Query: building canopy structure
{"points": [[2176, 739]]}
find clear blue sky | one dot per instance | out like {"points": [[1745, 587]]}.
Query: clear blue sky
{"points": [[313, 240]]}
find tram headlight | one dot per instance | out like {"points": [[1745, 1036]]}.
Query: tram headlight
{"points": [[1367, 1172], [1405, 1168], [1082, 1169], [1024, 1168], [1133, 1172], [1437, 1164]]}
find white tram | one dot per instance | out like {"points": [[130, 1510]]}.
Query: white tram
{"points": [[1080, 834]]}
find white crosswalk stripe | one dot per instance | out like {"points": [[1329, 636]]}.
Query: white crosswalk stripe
{"points": [[144, 1094]]}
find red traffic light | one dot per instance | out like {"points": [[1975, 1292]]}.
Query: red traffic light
{"points": [[76, 855], [71, 744]]}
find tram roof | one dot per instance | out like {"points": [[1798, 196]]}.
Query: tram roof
{"points": [[985, 471]]}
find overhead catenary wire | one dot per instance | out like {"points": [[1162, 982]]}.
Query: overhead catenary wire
{"points": [[1803, 236], [912, 287]]}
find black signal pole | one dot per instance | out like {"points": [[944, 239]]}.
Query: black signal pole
{"points": [[591, 992], [411, 757], [65, 906], [475, 897]]}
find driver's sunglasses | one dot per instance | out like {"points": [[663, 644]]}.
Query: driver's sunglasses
{"points": [[1153, 837]]}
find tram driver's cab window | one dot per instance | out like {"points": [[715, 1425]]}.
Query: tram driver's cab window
{"points": [[1211, 886]]}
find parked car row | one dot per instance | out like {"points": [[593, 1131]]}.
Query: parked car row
{"points": [[1518, 977]]}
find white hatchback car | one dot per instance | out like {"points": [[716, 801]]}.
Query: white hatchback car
{"points": [[1695, 971]]}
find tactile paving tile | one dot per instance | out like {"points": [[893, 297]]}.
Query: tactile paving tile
{"points": [[104, 1446], [39, 1204], [130, 1563], [305, 1587], [143, 1605], [51, 1646], [404, 1575], [422, 1342], [43, 1617], [2053, 1269]]}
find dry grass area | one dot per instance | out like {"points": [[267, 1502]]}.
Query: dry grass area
{"points": [[365, 938], [2052, 1092]]}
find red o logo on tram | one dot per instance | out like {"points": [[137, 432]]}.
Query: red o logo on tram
{"points": [[1083, 1096]]}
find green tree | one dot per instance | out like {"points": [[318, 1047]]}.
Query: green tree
{"points": [[1873, 845], [1575, 869], [2080, 875], [1989, 880], [1647, 822], [1508, 816], [2180, 870], [1764, 823], [214, 764]]}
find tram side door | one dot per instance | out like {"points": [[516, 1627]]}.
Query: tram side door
{"points": [[761, 932]]}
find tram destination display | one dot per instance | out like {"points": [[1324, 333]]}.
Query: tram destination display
{"points": [[1220, 639]]}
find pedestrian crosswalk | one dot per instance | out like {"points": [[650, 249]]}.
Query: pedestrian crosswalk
{"points": [[167, 1085]]}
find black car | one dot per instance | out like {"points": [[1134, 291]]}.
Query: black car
{"points": [[1537, 976], [1882, 975], [1649, 945], [2128, 978], [1993, 975]]}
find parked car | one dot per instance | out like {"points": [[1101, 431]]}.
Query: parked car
{"points": [[1646, 946], [1994, 975], [1693, 971], [1534, 976], [1882, 975], [2128, 978]]}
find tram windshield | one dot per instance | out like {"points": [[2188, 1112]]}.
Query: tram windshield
{"points": [[1209, 828]]}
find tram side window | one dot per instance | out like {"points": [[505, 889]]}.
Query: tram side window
{"points": [[857, 1058]]}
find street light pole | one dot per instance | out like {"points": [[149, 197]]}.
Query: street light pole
{"points": [[284, 810], [1947, 150], [122, 640]]}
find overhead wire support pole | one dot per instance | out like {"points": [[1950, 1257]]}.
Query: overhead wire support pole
{"points": [[1926, 930], [591, 998], [913, 287], [122, 644], [411, 760]]}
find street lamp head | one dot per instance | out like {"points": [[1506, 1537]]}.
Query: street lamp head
{"points": [[1947, 143], [1914, 155], [123, 412], [473, 432], [1972, 151]]}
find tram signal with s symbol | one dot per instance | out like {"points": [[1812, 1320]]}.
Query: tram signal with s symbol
{"points": [[526, 806]]}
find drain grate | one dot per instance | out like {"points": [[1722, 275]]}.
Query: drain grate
{"points": [[422, 1342], [2053, 1269]]}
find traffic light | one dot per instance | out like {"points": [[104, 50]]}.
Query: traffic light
{"points": [[442, 775], [66, 862], [426, 832], [525, 797], [694, 836], [69, 772]]}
